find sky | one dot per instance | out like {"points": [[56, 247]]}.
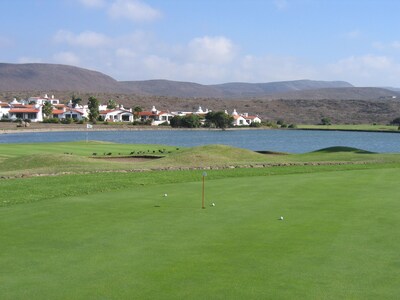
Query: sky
{"points": [[209, 41]]}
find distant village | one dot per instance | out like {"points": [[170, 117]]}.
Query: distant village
{"points": [[32, 110]]}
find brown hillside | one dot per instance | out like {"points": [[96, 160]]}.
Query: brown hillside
{"points": [[24, 77]]}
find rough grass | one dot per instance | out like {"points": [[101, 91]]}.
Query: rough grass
{"points": [[338, 239], [76, 157]]}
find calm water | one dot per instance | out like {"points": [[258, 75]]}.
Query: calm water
{"points": [[294, 141]]}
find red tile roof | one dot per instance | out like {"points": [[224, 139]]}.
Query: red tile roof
{"points": [[103, 112], [71, 110], [24, 110], [57, 111]]}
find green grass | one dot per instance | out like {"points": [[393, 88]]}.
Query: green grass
{"points": [[367, 127], [114, 236], [82, 148]]}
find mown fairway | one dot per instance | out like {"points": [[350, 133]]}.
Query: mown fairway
{"points": [[339, 238]]}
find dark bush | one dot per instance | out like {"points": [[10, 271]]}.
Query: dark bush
{"points": [[255, 124], [51, 120]]}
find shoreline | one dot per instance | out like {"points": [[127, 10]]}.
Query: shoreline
{"points": [[40, 127], [82, 128]]}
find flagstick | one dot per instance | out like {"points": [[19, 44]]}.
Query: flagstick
{"points": [[202, 193]]}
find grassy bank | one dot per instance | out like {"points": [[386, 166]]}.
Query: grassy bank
{"points": [[357, 127], [82, 157]]}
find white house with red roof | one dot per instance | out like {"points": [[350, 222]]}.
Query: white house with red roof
{"points": [[157, 117], [117, 115], [26, 112], [4, 109], [71, 113], [244, 119], [238, 120], [251, 119]]}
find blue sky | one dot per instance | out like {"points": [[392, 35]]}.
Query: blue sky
{"points": [[209, 41]]}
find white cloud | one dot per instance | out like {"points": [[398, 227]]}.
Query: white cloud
{"points": [[84, 39], [66, 58], [387, 46], [272, 68], [93, 3], [214, 50], [281, 4], [353, 35], [395, 44], [29, 60], [125, 53], [362, 64], [133, 10], [366, 70], [378, 45]]}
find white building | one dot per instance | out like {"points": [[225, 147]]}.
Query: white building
{"points": [[4, 109], [41, 101], [71, 113], [117, 115], [157, 117], [26, 112], [244, 119]]}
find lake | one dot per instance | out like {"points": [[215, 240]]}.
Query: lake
{"points": [[293, 141]]}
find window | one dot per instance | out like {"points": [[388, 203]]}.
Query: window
{"points": [[32, 116]]}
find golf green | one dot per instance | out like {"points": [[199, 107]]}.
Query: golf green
{"points": [[338, 240]]}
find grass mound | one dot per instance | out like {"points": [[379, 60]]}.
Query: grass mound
{"points": [[342, 149], [212, 155], [51, 163]]}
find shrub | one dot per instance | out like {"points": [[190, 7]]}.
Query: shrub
{"points": [[280, 122], [292, 126], [67, 121], [326, 121], [395, 121], [5, 118], [51, 120], [255, 124]]}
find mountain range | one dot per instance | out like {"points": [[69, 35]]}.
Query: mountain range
{"points": [[54, 77]]}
